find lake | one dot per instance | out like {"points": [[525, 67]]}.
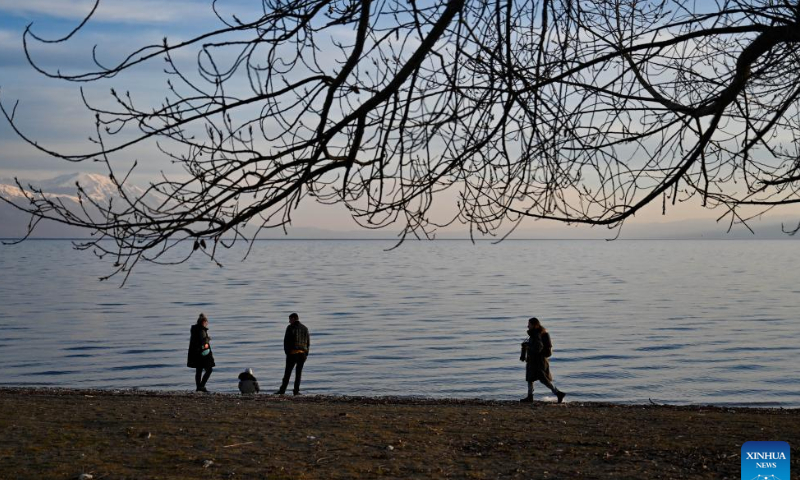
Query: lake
{"points": [[678, 322]]}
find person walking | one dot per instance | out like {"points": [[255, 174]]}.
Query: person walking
{"points": [[296, 343], [535, 352], [200, 356]]}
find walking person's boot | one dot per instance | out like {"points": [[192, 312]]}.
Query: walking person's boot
{"points": [[528, 399], [560, 395]]}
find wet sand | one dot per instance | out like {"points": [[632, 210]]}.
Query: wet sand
{"points": [[60, 433]]}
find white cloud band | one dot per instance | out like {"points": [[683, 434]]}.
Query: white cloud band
{"points": [[120, 11]]}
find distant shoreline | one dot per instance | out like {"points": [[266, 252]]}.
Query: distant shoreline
{"points": [[61, 433]]}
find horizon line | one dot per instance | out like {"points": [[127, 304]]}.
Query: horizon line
{"points": [[333, 239]]}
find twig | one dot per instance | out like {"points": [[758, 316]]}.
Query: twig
{"points": [[236, 444]]}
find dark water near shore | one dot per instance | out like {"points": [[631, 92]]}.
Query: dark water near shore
{"points": [[674, 321]]}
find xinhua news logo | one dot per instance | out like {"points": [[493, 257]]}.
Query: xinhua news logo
{"points": [[765, 461]]}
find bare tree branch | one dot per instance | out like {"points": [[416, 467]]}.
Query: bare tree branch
{"points": [[581, 112]]}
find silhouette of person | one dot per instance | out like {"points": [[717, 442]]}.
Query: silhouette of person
{"points": [[296, 343], [535, 352], [200, 355], [248, 382]]}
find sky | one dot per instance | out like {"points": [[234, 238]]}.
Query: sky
{"points": [[50, 111]]}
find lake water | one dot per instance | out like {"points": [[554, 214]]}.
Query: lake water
{"points": [[679, 322]]}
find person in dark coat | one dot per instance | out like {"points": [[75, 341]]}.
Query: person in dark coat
{"points": [[535, 352], [200, 355], [296, 343]]}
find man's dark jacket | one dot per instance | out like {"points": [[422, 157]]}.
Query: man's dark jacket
{"points": [[296, 338]]}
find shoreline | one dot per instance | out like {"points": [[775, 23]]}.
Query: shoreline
{"points": [[367, 400], [61, 433]]}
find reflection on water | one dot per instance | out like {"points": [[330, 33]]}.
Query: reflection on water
{"points": [[676, 321]]}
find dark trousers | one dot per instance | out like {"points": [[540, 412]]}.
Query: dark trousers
{"points": [[292, 360], [201, 382]]}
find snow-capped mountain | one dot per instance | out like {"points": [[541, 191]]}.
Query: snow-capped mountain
{"points": [[13, 222], [9, 191], [100, 188]]}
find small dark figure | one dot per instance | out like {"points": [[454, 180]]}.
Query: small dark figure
{"points": [[296, 343], [248, 382], [200, 356], [535, 351]]}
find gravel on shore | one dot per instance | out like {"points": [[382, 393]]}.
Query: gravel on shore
{"points": [[133, 434]]}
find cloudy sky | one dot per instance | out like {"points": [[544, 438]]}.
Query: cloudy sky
{"points": [[51, 112]]}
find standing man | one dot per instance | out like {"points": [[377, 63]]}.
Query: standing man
{"points": [[296, 343]]}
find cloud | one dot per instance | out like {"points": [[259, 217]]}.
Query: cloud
{"points": [[118, 11], [8, 38]]}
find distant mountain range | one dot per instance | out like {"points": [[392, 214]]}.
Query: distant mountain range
{"points": [[13, 223]]}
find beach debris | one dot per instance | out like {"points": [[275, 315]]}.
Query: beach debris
{"points": [[85, 476], [145, 435], [390, 448], [208, 463], [311, 437], [236, 445]]}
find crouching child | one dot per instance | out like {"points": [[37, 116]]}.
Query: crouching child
{"points": [[248, 382]]}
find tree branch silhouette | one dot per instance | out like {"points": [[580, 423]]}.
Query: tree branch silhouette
{"points": [[570, 111]]}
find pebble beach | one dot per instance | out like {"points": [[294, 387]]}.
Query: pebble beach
{"points": [[129, 434]]}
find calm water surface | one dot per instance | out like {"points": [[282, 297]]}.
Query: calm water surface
{"points": [[674, 321]]}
